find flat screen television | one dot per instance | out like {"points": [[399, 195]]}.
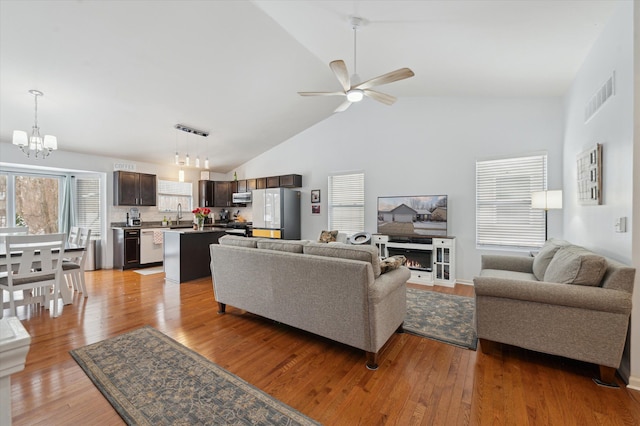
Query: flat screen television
{"points": [[412, 218]]}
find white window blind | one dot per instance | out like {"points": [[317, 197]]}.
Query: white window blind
{"points": [[504, 217], [170, 193], [346, 203], [88, 205]]}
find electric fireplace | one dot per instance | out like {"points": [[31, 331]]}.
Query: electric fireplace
{"points": [[417, 259]]}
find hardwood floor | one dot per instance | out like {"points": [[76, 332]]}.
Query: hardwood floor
{"points": [[419, 381]]}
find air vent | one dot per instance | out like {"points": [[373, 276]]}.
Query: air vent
{"points": [[607, 90]]}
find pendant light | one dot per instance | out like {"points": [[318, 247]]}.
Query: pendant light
{"points": [[187, 159]]}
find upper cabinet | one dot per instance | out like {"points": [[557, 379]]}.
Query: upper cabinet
{"points": [[290, 181], [220, 193], [206, 190], [134, 189]]}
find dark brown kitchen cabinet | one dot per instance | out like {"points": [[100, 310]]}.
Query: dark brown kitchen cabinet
{"points": [[126, 248], [241, 186], [134, 189], [291, 181], [261, 183], [222, 194], [206, 190], [273, 182], [251, 184]]}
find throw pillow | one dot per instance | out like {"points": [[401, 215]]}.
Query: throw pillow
{"points": [[391, 263], [576, 265], [328, 236], [543, 258]]}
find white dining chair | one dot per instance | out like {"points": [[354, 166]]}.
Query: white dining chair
{"points": [[74, 232], [73, 269], [32, 262], [16, 230]]}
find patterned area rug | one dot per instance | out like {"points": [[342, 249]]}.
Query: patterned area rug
{"points": [[150, 379], [439, 316]]}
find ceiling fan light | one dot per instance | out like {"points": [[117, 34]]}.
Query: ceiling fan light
{"points": [[355, 95], [206, 163]]}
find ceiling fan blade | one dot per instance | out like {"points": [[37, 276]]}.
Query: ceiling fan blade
{"points": [[389, 77], [340, 70], [343, 106], [322, 94], [380, 97]]}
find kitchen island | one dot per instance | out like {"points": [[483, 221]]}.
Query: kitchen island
{"points": [[186, 253]]}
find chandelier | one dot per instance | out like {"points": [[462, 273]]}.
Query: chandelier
{"points": [[36, 144]]}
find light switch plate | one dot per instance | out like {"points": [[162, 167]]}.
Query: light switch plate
{"points": [[621, 224]]}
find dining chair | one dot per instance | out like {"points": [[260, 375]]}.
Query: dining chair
{"points": [[16, 230], [32, 262], [73, 235], [73, 269]]}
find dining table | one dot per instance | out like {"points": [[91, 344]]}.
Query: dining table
{"points": [[65, 292]]}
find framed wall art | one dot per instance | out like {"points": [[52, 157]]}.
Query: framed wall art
{"points": [[315, 209], [590, 176], [315, 195]]}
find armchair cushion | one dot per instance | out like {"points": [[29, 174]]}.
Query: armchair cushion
{"points": [[576, 265]]}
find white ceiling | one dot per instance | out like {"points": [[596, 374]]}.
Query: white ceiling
{"points": [[118, 75]]}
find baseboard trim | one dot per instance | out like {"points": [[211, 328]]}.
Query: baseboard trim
{"points": [[634, 383], [465, 282]]}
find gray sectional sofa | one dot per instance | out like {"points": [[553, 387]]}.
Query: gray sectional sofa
{"points": [[564, 301], [333, 290]]}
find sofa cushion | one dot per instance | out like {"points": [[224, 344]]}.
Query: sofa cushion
{"points": [[291, 246], [543, 258], [346, 251], [576, 265], [391, 263], [511, 275], [238, 241], [328, 236]]}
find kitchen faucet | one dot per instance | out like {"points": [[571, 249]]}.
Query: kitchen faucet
{"points": [[179, 215]]}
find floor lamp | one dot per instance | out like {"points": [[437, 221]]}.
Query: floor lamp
{"points": [[546, 200]]}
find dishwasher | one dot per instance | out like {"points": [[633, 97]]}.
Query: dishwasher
{"points": [[150, 252]]}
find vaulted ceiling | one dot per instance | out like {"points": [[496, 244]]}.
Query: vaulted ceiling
{"points": [[118, 75]]}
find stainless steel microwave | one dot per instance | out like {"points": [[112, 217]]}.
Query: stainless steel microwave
{"points": [[241, 197]]}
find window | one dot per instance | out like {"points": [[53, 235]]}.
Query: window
{"points": [[171, 193], [504, 217], [88, 205], [37, 203], [346, 203]]}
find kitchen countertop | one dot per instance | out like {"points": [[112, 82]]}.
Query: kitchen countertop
{"points": [[194, 231], [184, 225]]}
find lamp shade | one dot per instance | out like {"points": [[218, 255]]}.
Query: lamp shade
{"points": [[546, 199], [20, 138]]}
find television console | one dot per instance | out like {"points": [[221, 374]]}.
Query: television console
{"points": [[431, 262]]}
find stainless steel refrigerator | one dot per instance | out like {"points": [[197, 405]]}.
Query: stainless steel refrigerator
{"points": [[276, 213]]}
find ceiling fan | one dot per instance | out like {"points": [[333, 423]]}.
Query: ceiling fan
{"points": [[352, 88]]}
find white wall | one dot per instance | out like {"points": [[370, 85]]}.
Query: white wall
{"points": [[613, 126], [419, 146], [634, 346]]}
